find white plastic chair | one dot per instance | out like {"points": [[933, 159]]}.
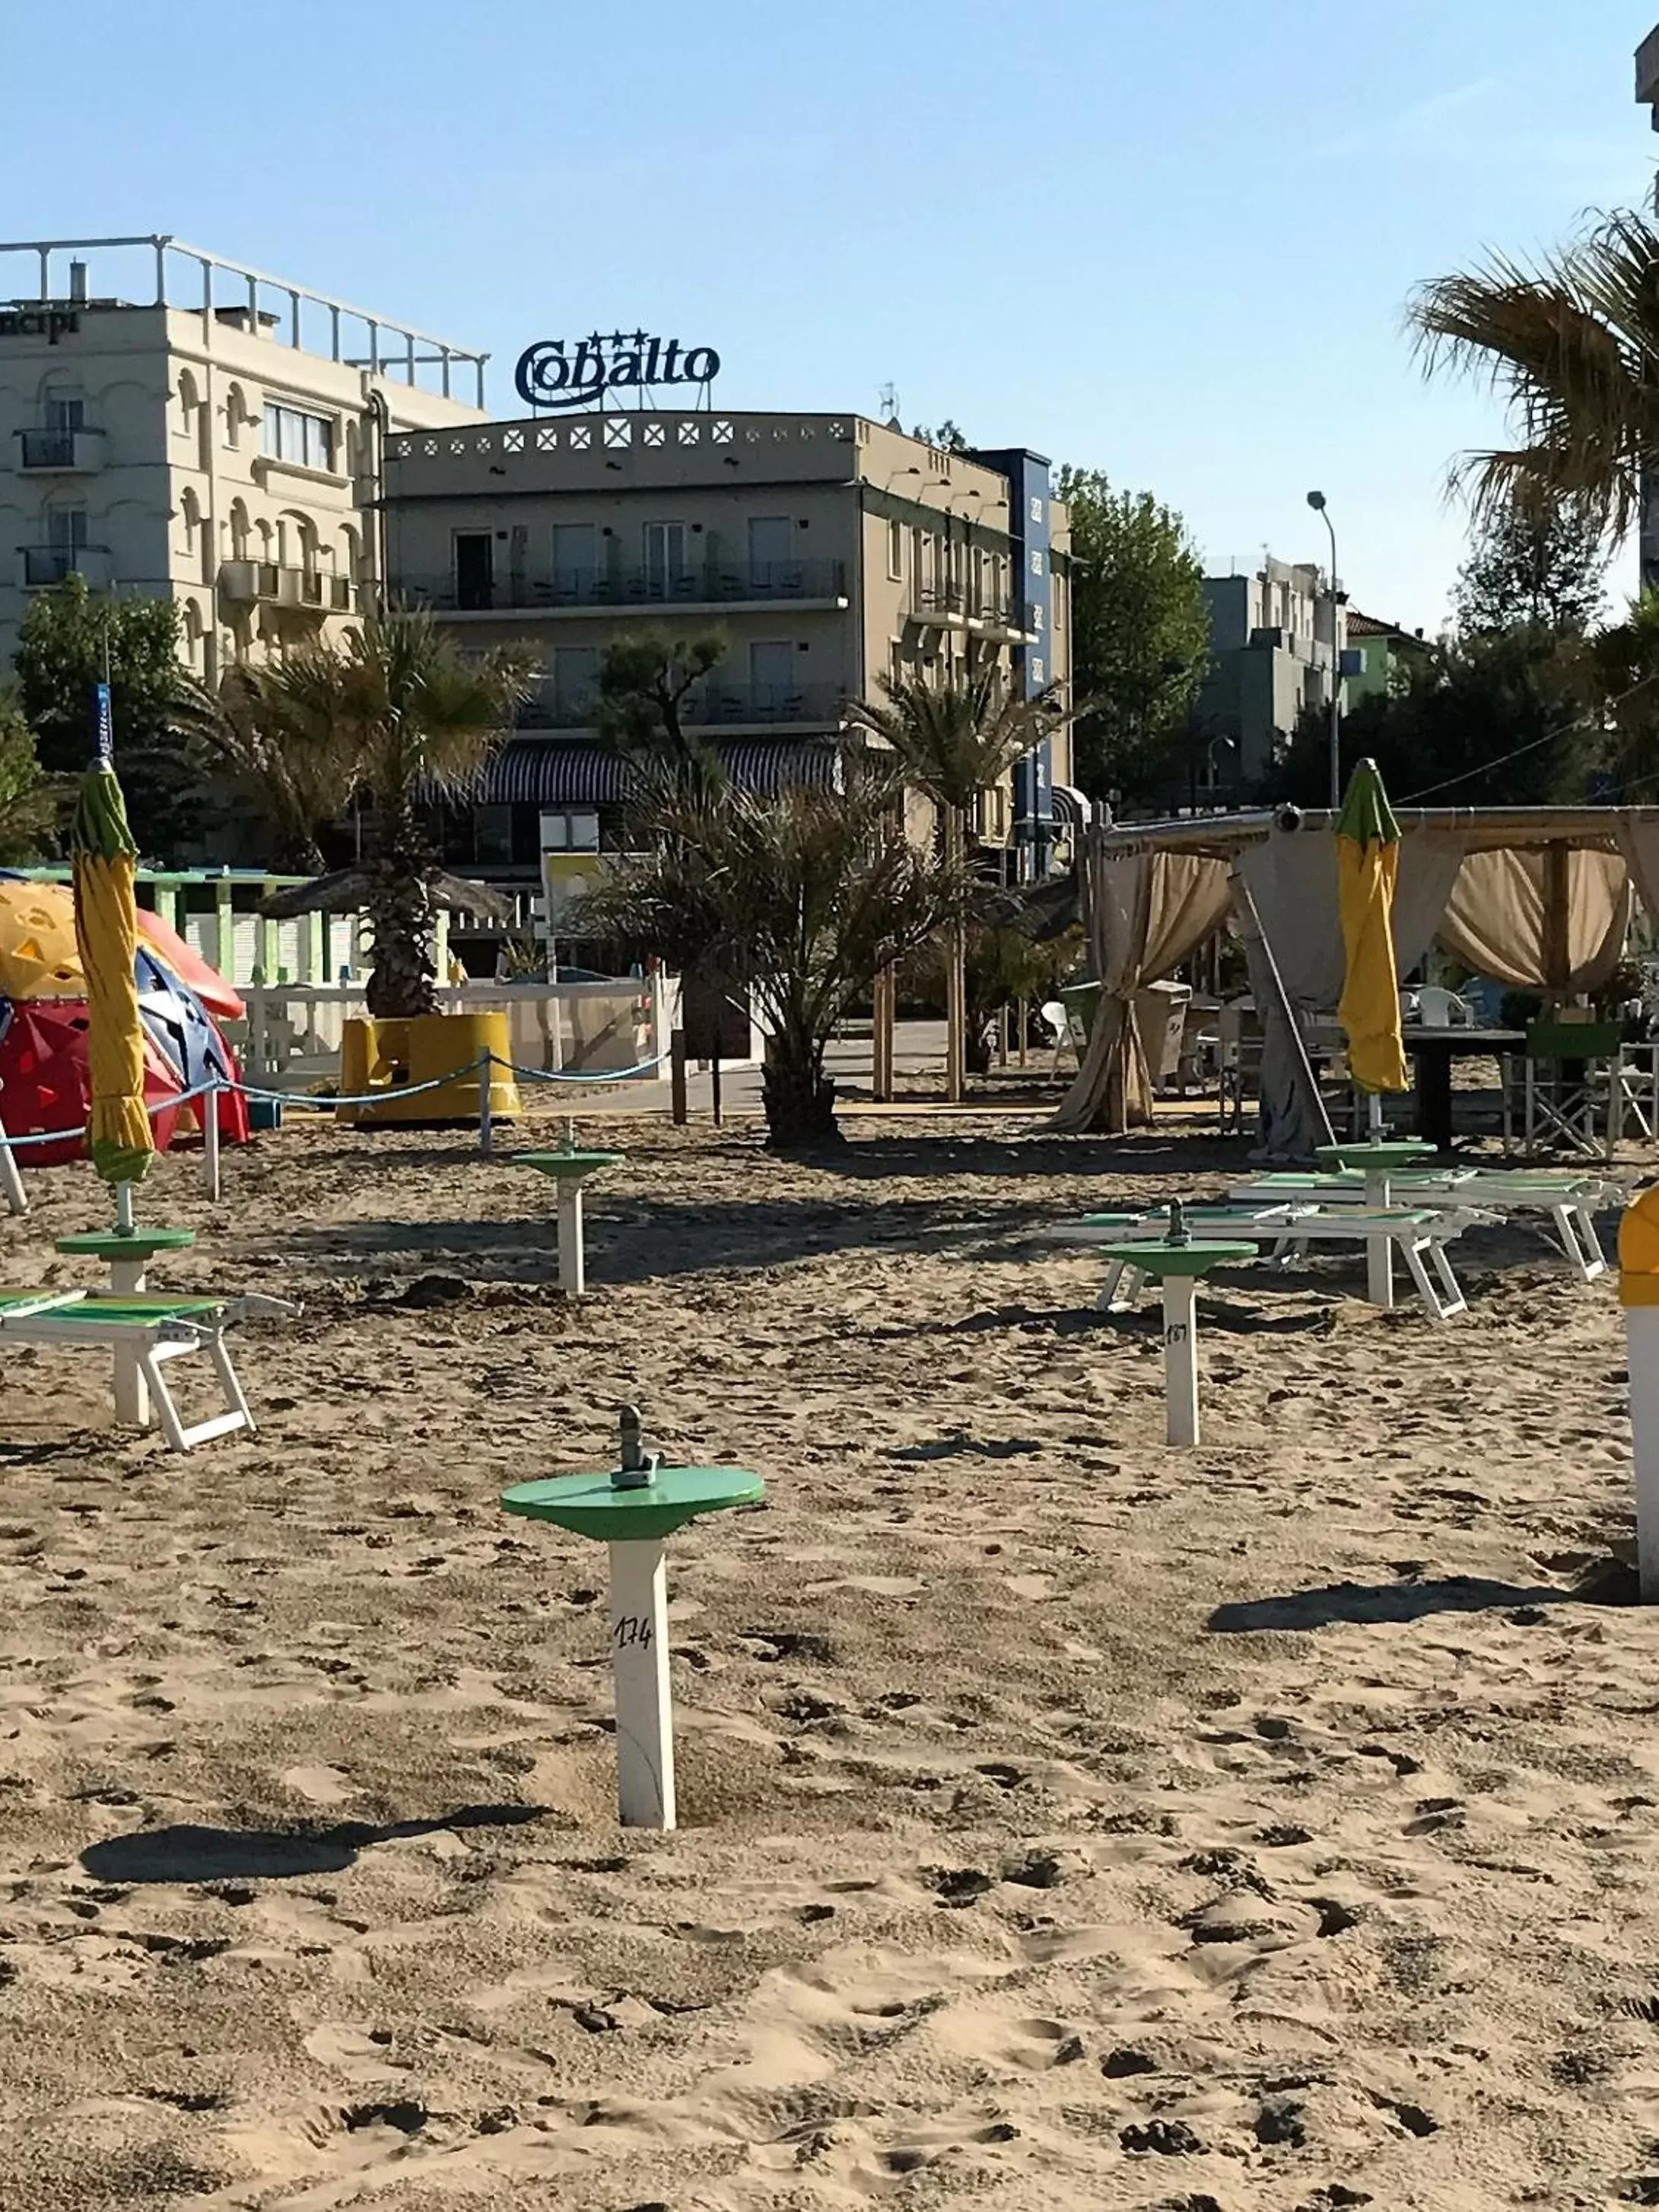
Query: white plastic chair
{"points": [[1438, 1009]]}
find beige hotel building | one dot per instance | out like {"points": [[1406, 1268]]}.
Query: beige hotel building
{"points": [[176, 424], [826, 549]]}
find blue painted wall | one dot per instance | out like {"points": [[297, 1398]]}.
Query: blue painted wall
{"points": [[1030, 499]]}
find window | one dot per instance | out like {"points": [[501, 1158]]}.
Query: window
{"points": [[575, 685], [66, 414], [575, 560], [570, 833], [771, 548], [492, 836], [666, 569], [895, 550], [66, 529], [290, 435], [772, 673]]}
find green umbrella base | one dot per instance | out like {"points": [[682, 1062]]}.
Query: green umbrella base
{"points": [[594, 1505]]}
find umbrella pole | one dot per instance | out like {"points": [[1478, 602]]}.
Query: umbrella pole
{"points": [[124, 1220]]}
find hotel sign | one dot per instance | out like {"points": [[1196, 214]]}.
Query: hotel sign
{"points": [[575, 373], [50, 323]]}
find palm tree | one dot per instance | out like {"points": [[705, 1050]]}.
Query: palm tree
{"points": [[403, 720], [809, 895], [297, 788], [953, 739], [1572, 346]]}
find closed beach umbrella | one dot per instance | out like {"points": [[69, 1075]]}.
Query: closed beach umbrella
{"points": [[105, 863], [1367, 864]]}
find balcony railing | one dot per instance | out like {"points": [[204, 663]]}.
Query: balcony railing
{"points": [[271, 584], [711, 584], [43, 452], [958, 603], [43, 566], [714, 706]]}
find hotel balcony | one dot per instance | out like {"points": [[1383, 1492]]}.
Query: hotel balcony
{"points": [[60, 452], [717, 588], [983, 614], [41, 567], [264, 583], [714, 706]]}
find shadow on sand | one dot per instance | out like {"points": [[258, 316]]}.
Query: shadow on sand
{"points": [[1366, 1604], [189, 1853]]}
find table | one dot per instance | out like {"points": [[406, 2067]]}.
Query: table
{"points": [[1433, 1051]]}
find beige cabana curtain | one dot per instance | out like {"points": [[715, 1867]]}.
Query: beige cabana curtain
{"points": [[1291, 877], [1639, 841], [1550, 920], [1145, 915]]}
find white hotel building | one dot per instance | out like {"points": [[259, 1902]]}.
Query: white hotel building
{"points": [[176, 424]]}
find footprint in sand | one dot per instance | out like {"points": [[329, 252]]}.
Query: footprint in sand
{"points": [[361, 2055], [318, 1785]]}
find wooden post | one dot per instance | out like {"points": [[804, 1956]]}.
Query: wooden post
{"points": [[677, 1076], [884, 1000], [714, 1083]]}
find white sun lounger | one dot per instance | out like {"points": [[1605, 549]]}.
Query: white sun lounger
{"points": [[1567, 1200], [151, 1332], [1418, 1236]]}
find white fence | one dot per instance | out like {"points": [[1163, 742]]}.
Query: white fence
{"points": [[290, 1040]]}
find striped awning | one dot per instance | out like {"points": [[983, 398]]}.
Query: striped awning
{"points": [[1071, 807], [568, 772]]}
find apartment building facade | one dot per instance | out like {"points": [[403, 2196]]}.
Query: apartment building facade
{"points": [[1272, 657], [826, 551], [175, 424]]}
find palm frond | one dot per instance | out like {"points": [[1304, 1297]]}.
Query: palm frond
{"points": [[1571, 345]]}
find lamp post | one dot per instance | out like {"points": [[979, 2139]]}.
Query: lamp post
{"points": [[1316, 501]]}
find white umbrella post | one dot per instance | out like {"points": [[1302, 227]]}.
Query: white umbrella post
{"points": [[1178, 1264], [631, 1509], [1375, 1158], [129, 1255], [568, 1169]]}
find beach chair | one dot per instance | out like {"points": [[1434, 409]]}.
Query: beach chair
{"points": [[1418, 1236], [1566, 1200], [150, 1333]]}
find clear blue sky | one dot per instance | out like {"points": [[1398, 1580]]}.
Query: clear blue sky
{"points": [[1170, 239]]}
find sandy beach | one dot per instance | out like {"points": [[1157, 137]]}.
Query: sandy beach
{"points": [[1066, 1821]]}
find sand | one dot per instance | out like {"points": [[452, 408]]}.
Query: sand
{"points": [[1068, 1822]]}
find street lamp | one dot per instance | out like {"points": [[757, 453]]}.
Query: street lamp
{"points": [[1316, 501]]}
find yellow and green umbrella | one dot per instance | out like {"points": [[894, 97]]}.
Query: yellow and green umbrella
{"points": [[105, 861], [1367, 864]]}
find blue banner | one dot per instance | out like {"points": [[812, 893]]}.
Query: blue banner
{"points": [[104, 718]]}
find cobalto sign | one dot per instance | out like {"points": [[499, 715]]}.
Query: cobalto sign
{"points": [[560, 373]]}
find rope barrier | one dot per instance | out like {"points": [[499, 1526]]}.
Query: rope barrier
{"points": [[327, 1103]]}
